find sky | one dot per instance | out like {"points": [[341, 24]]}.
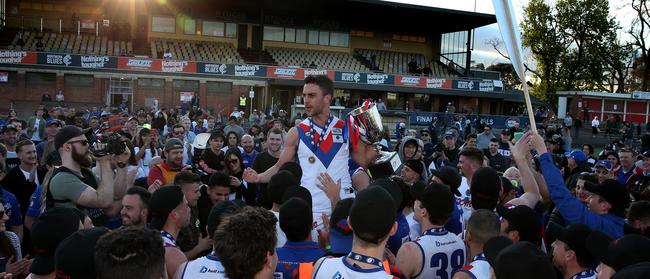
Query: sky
{"points": [[484, 53]]}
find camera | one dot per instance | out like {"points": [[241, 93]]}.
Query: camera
{"points": [[114, 144]]}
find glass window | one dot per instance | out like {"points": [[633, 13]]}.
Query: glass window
{"points": [[273, 33], [301, 36], [189, 27], [324, 38], [290, 35], [218, 87], [163, 24], [339, 39], [213, 28], [78, 80], [313, 37], [231, 30]]}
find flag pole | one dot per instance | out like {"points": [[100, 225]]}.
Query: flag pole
{"points": [[510, 33]]}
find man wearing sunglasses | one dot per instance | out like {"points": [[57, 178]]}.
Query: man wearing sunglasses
{"points": [[75, 185]]}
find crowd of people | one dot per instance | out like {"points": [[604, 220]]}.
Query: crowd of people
{"points": [[181, 194]]}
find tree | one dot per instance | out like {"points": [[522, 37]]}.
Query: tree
{"points": [[640, 31], [575, 46], [508, 74]]}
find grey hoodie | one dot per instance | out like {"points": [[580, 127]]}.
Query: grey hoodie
{"points": [[400, 152]]}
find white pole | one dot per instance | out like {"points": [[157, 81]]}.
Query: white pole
{"points": [[78, 27], [96, 28], [41, 25], [60, 25]]}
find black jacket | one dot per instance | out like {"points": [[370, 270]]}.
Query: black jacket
{"points": [[16, 183]]}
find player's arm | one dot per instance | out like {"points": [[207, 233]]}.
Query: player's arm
{"points": [[409, 259], [316, 267], [180, 270], [288, 155], [461, 275], [364, 154], [174, 258]]}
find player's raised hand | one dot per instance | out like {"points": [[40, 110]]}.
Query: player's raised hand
{"points": [[250, 175]]}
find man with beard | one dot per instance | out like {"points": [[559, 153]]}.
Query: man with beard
{"points": [[135, 207], [9, 138], [319, 145], [249, 154], [163, 173], [267, 159], [74, 184], [496, 160]]}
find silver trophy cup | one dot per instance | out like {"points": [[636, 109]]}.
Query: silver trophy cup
{"points": [[368, 121]]}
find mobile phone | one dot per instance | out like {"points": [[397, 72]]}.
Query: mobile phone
{"points": [[518, 136]]}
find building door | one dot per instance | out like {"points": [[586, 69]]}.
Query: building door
{"points": [[257, 37], [242, 36]]}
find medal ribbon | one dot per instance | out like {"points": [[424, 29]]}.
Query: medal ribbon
{"points": [[323, 135], [167, 235], [365, 259]]}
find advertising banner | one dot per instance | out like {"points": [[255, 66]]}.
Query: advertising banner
{"points": [[285, 72], [17, 57], [145, 64]]}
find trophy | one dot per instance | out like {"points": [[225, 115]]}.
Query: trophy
{"points": [[369, 130]]}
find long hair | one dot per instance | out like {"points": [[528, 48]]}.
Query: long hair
{"points": [[6, 248], [233, 151]]}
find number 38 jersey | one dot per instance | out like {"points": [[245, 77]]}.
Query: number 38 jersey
{"points": [[443, 253]]}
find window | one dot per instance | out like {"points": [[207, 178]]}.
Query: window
{"points": [[290, 35], [189, 28], [339, 39], [151, 82], [213, 28], [301, 36], [11, 78], [216, 87], [313, 37], [41, 78], [78, 80], [163, 24], [273, 33], [185, 84], [324, 38], [231, 30]]}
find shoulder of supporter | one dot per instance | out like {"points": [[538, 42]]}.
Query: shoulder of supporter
{"points": [[66, 186]]}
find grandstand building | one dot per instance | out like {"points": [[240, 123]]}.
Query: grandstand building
{"points": [[159, 53]]}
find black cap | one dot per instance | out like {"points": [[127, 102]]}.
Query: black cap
{"points": [[646, 154], [486, 184], [523, 219], [65, 134], [9, 127], [219, 211], [575, 236], [162, 202], [636, 271], [372, 214], [626, 251], [340, 230], [505, 132], [74, 258], [523, 258], [450, 177], [173, 143], [297, 192], [612, 191], [415, 165], [50, 229]]}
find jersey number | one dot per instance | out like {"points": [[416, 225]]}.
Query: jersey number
{"points": [[440, 262]]}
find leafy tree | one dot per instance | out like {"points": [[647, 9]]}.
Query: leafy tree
{"points": [[640, 31], [508, 74]]}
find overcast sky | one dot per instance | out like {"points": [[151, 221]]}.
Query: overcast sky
{"points": [[484, 53]]}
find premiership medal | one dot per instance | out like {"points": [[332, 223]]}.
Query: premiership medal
{"points": [[312, 159]]}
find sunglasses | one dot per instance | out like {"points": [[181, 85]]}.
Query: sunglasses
{"points": [[179, 133], [83, 142], [233, 161]]}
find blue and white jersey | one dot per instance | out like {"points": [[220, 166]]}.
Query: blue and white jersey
{"points": [[443, 253], [208, 267], [587, 274], [340, 268], [479, 268], [316, 156]]}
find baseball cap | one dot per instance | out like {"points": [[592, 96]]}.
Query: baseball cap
{"points": [[162, 202], [415, 165], [505, 132], [578, 156], [173, 143], [50, 229], [65, 134], [553, 141], [219, 211], [485, 187], [575, 236], [372, 214], [340, 230], [74, 258], [53, 122], [201, 141], [626, 251], [450, 134], [296, 218], [646, 154], [523, 219], [9, 127], [523, 258], [134, 118], [605, 164], [450, 177], [612, 191], [232, 118], [636, 271]]}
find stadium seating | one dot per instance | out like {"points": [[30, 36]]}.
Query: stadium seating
{"points": [[397, 62], [197, 50], [72, 43], [332, 60]]}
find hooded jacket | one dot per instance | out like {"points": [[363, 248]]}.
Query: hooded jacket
{"points": [[420, 147]]}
